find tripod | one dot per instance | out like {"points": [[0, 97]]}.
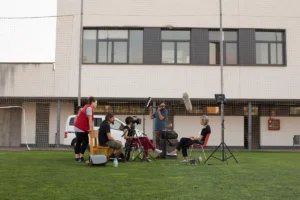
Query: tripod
{"points": [[221, 100], [129, 147], [143, 150]]}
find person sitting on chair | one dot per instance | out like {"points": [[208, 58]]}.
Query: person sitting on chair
{"points": [[186, 142], [131, 137], [105, 137]]}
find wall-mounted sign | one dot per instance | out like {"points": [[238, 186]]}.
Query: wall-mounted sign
{"points": [[273, 124]]}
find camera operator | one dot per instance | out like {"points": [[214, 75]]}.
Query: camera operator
{"points": [[130, 136], [161, 117]]}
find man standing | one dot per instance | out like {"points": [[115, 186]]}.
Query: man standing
{"points": [[83, 125], [105, 137], [161, 117]]}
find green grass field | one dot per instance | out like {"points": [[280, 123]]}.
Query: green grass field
{"points": [[44, 175]]}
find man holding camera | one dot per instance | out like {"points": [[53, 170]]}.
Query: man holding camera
{"points": [[161, 117]]}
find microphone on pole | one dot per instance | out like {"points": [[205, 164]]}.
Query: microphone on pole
{"points": [[148, 102], [187, 102]]}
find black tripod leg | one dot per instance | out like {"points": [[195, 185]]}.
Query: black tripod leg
{"points": [[138, 156], [212, 153], [231, 154], [128, 150], [225, 155], [151, 156]]}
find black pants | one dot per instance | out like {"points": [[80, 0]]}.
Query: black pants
{"points": [[82, 141], [184, 144]]}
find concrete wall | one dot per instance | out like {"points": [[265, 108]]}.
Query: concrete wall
{"points": [[289, 126], [66, 110], [187, 126], [10, 127], [16, 79], [30, 119], [36, 43], [30, 123], [144, 80]]}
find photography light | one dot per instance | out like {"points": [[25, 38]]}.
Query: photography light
{"points": [[220, 98]]}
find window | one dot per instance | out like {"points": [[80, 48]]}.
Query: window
{"points": [[89, 46], [175, 47], [254, 111], [71, 123], [230, 47], [113, 46], [294, 110], [97, 122], [212, 110], [103, 109], [269, 48]]}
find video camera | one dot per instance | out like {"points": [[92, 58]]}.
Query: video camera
{"points": [[136, 120]]}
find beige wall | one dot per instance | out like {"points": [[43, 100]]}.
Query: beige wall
{"points": [[187, 126], [34, 80], [30, 123], [289, 126], [30, 119], [66, 110], [192, 13], [198, 81]]}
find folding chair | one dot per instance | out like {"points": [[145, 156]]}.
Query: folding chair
{"points": [[132, 147], [95, 148], [198, 146]]}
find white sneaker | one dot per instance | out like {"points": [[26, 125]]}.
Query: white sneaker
{"points": [[184, 161], [173, 153], [157, 151]]}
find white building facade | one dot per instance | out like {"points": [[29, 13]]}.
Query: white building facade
{"points": [[136, 49]]}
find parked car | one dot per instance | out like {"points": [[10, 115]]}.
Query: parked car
{"points": [[116, 129]]}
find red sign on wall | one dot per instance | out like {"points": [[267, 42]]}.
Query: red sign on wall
{"points": [[273, 124]]}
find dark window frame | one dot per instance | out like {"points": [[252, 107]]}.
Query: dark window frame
{"points": [[113, 41], [224, 47], [175, 47], [282, 42], [112, 50]]}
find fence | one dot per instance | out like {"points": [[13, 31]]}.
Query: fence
{"points": [[129, 56]]}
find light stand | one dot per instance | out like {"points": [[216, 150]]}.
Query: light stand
{"points": [[221, 100]]}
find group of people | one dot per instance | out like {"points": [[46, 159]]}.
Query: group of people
{"points": [[84, 123]]}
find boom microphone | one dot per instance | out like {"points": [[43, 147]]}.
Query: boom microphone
{"points": [[187, 102], [148, 102]]}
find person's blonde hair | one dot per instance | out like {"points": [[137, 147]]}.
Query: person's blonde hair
{"points": [[205, 119]]}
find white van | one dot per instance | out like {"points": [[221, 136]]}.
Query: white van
{"points": [[116, 129]]}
